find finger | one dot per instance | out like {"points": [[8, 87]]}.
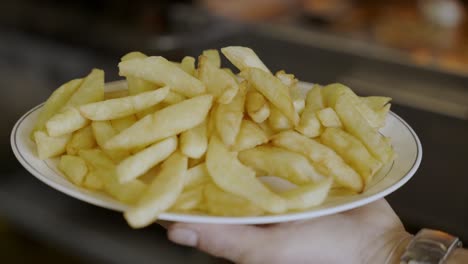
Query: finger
{"points": [[227, 241]]}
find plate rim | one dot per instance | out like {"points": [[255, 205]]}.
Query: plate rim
{"points": [[208, 219]]}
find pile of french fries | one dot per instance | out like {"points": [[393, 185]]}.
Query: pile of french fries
{"points": [[196, 138]]}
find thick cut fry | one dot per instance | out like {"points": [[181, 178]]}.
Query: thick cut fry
{"points": [[115, 94], [67, 121], [81, 139], [274, 161], [306, 196], [257, 107], [274, 90], [322, 156], [331, 94], [218, 82], [139, 163], [165, 123], [137, 85], [123, 123], [104, 169], [250, 135], [161, 194], [188, 65], [196, 176], [243, 58], [376, 102], [48, 147], [194, 142], [103, 131], [219, 202], [287, 79], [189, 199], [91, 89], [74, 168], [229, 174], [162, 72], [309, 124], [213, 57], [278, 121], [125, 106], [92, 181], [229, 118], [294, 91], [353, 152], [329, 118], [211, 121], [55, 102], [382, 115], [356, 124], [173, 98], [267, 129]]}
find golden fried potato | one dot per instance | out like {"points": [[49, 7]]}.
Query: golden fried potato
{"points": [[308, 195], [278, 121], [321, 156], [243, 58], [137, 85], [329, 118], [91, 90], [161, 194], [232, 176], [194, 142], [116, 94], [353, 152], [65, 122], [213, 57], [257, 107], [218, 82], [250, 135], [274, 90], [376, 102], [173, 98], [162, 72], [165, 123], [123, 123], [92, 181], [188, 65], [228, 118], [196, 176], [49, 147], [219, 202], [136, 165], [103, 131], [189, 199], [74, 168], [125, 106], [309, 124], [274, 161], [81, 139]]}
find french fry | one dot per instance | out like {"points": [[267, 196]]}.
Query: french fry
{"points": [[353, 152], [329, 118], [307, 196], [194, 142], [257, 107], [92, 181], [161, 194], [162, 72], [55, 102], [65, 122], [294, 91], [137, 85], [103, 131], [115, 94], [274, 161], [382, 115], [356, 124], [120, 124], [196, 176], [376, 102], [321, 156], [165, 123], [125, 106], [267, 129], [278, 121], [219, 202], [243, 58], [188, 65], [287, 79], [49, 147], [250, 135], [228, 118], [274, 90], [309, 124], [331, 94], [91, 90], [189, 199], [104, 169], [173, 98], [213, 57], [231, 175], [81, 139], [136, 165], [219, 83], [74, 168]]}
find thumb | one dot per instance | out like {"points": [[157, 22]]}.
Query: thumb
{"points": [[227, 241]]}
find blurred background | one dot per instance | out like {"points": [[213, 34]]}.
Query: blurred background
{"points": [[413, 51]]}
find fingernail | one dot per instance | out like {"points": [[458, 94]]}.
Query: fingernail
{"points": [[184, 237]]}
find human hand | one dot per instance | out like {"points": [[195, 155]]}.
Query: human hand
{"points": [[364, 235]]}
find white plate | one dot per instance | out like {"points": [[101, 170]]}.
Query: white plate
{"points": [[390, 178]]}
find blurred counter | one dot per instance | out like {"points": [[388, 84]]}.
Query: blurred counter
{"points": [[31, 67]]}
